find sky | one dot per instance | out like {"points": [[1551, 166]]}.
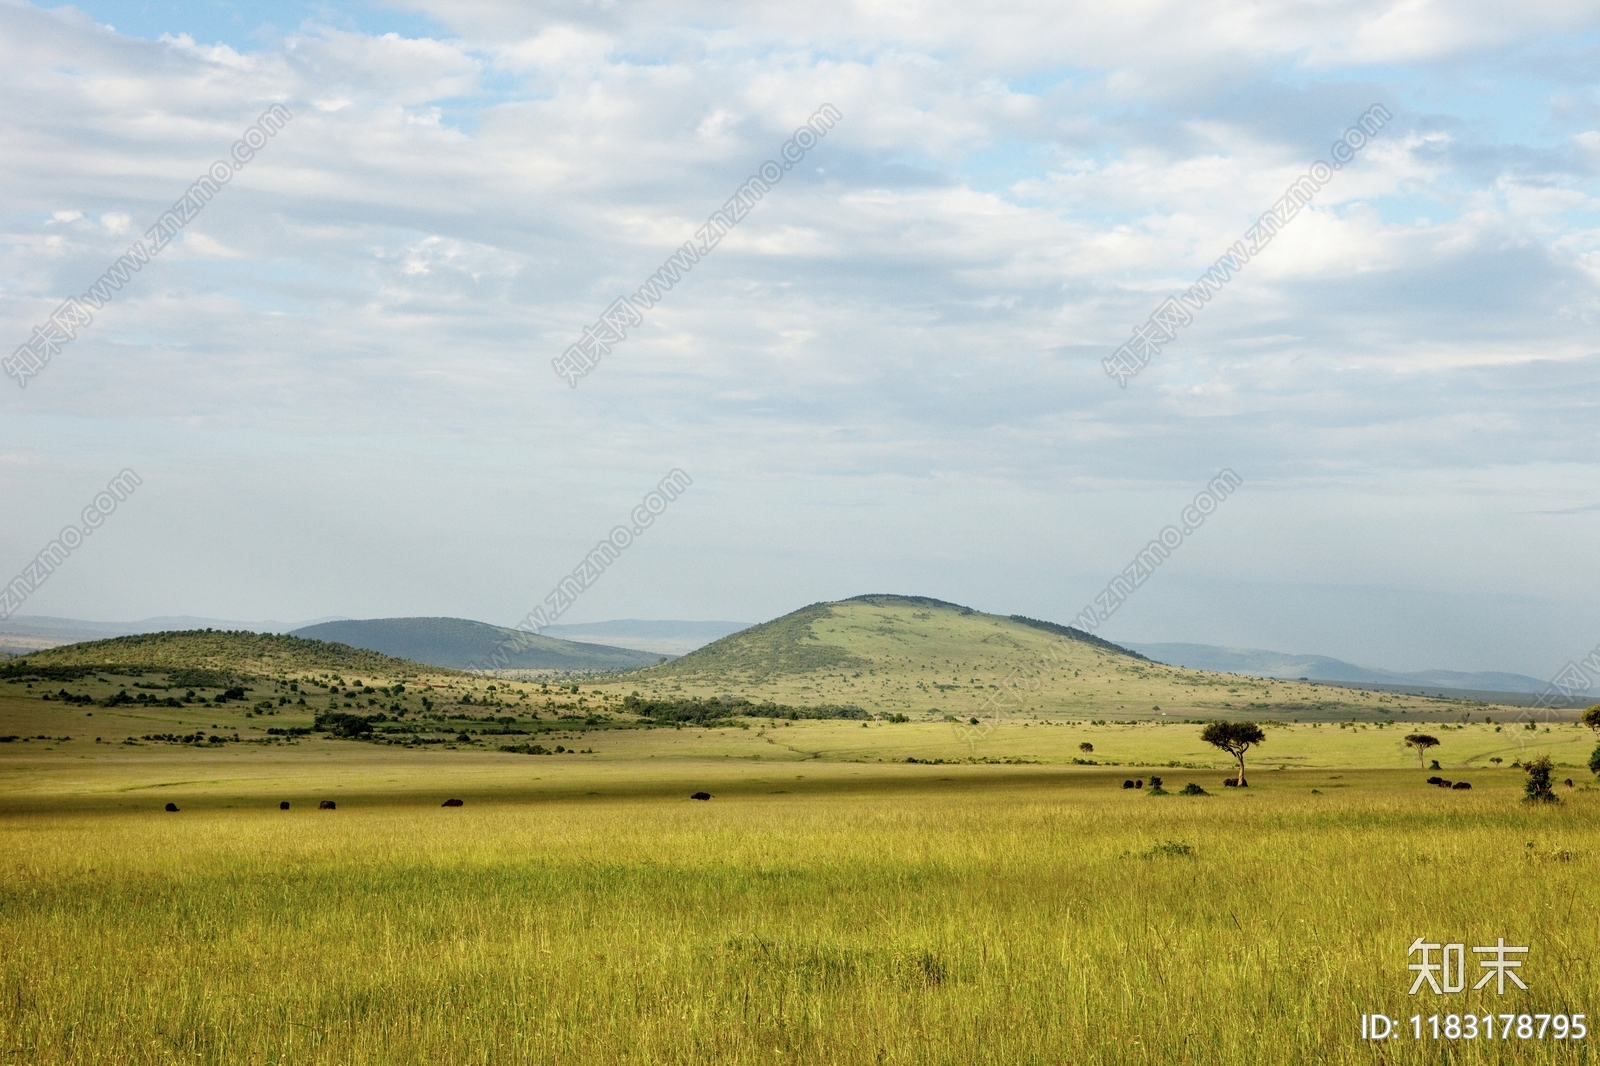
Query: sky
{"points": [[334, 382]]}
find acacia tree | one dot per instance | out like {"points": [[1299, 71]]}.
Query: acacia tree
{"points": [[1235, 738], [1086, 747], [1422, 742], [1591, 718]]}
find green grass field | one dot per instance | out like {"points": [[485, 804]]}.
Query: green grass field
{"points": [[1000, 899]]}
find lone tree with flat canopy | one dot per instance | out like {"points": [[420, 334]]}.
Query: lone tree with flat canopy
{"points": [[1235, 738], [1422, 742]]}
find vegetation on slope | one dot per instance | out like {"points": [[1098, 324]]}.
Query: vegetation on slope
{"points": [[766, 652], [204, 657], [1072, 633], [928, 658]]}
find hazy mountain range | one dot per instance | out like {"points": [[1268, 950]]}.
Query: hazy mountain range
{"points": [[458, 643], [629, 643], [1258, 663], [462, 644], [662, 637]]}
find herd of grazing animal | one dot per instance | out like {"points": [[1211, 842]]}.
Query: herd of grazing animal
{"points": [[329, 805]]}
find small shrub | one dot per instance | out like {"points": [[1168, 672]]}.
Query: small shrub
{"points": [[1537, 786], [342, 725], [1169, 848], [1192, 789]]}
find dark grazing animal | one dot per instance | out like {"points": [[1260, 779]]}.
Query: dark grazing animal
{"points": [[1460, 785], [701, 796], [325, 805], [453, 803], [1127, 784], [172, 806], [283, 806]]}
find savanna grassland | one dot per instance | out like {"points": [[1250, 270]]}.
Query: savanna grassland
{"points": [[831, 913], [1001, 899]]}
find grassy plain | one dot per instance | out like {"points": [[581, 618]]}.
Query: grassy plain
{"points": [[999, 900], [812, 912]]}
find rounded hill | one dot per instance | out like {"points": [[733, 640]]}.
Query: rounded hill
{"points": [[900, 653], [206, 656]]}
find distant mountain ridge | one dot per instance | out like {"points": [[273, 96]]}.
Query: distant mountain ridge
{"points": [[662, 636], [1258, 663], [462, 644]]}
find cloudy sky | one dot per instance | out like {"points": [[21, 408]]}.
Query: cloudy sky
{"points": [[336, 387]]}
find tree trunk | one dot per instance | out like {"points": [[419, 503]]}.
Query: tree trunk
{"points": [[1241, 783]]}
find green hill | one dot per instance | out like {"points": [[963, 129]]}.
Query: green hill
{"points": [[895, 653], [462, 644], [926, 658], [206, 657]]}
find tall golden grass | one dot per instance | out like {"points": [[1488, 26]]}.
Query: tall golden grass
{"points": [[987, 918]]}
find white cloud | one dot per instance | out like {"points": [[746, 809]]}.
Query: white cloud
{"points": [[922, 303]]}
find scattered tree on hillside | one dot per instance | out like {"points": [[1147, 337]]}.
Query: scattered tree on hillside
{"points": [[1422, 742], [1538, 786], [1235, 738]]}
